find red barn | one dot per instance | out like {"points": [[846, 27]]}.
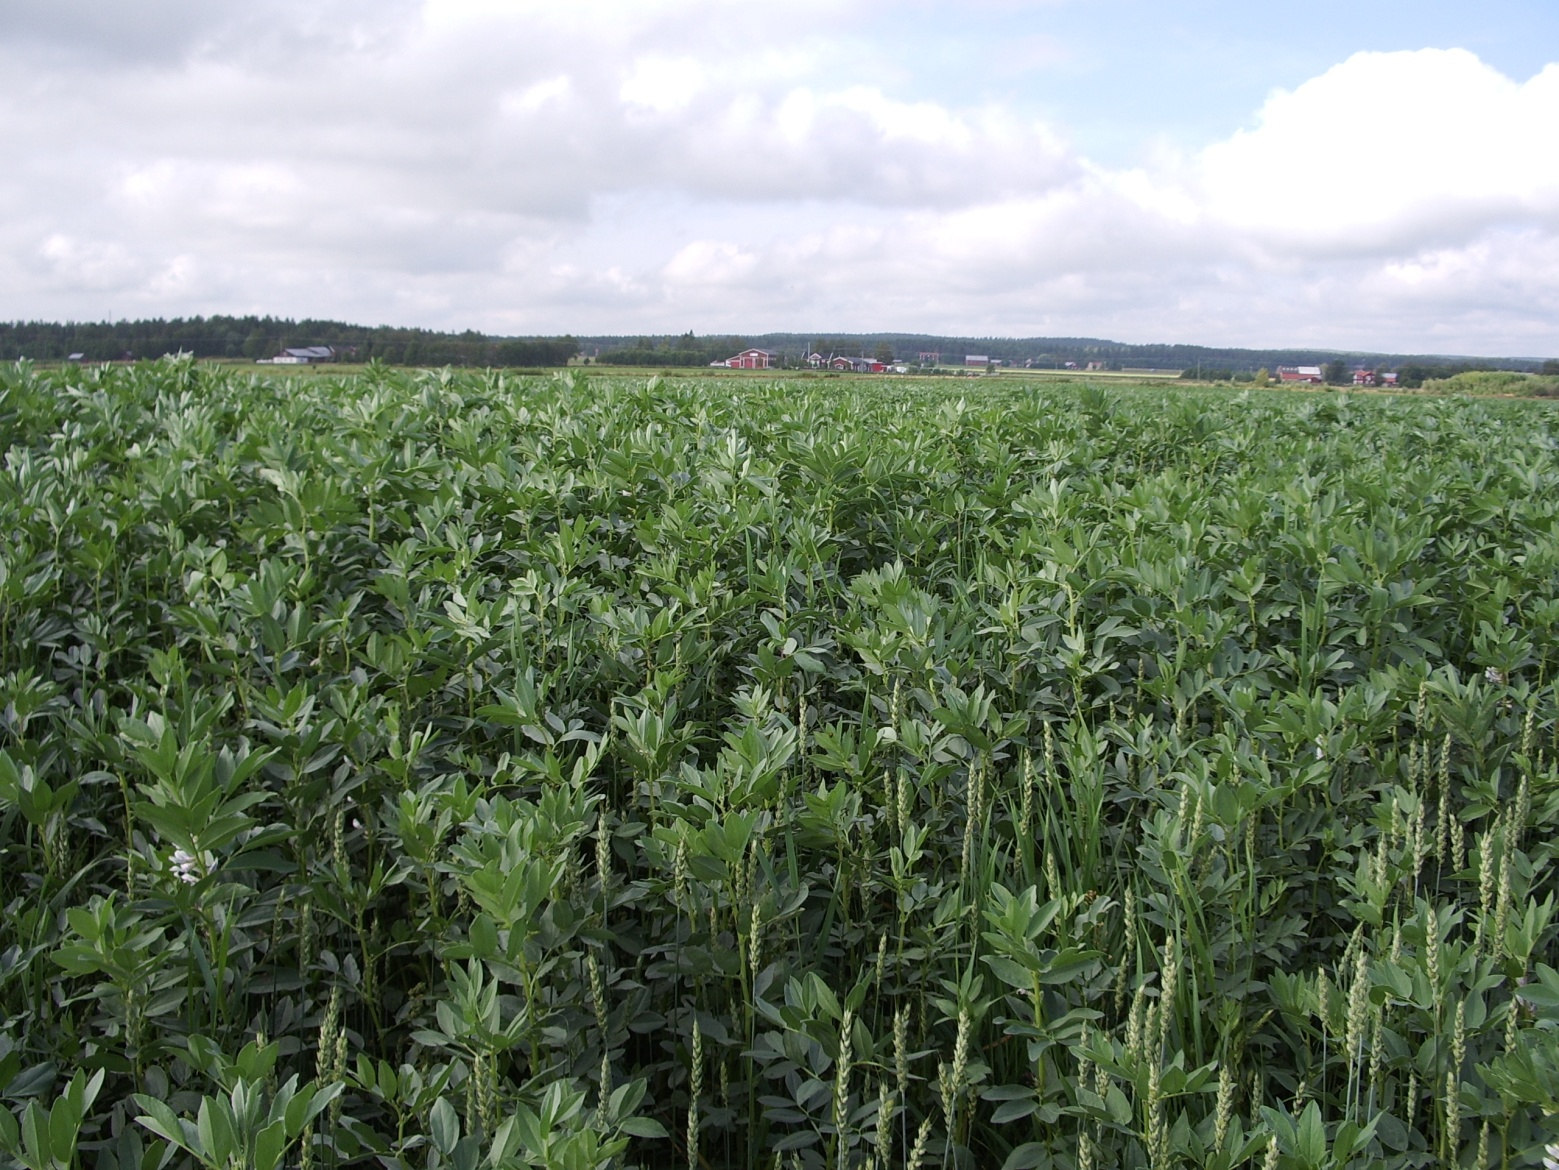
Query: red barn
{"points": [[1311, 374], [750, 359]]}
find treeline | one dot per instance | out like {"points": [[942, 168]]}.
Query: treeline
{"points": [[1038, 353], [264, 337], [682, 350], [1337, 372], [1412, 375], [255, 337]]}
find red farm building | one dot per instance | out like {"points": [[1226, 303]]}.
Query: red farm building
{"points": [[1310, 374]]}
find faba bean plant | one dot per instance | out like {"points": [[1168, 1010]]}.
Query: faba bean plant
{"points": [[468, 771]]}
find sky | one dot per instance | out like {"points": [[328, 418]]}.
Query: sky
{"points": [[1376, 175]]}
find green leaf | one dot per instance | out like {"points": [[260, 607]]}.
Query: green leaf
{"points": [[65, 1124], [33, 1081], [502, 1145], [444, 1127], [484, 935], [644, 1127], [1312, 1135], [269, 1145], [1014, 1110], [1028, 1156], [162, 1121], [1393, 1134], [10, 1132], [1067, 965], [310, 1102], [213, 1124], [38, 1151], [1009, 972]]}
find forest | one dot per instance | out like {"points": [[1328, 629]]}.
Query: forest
{"points": [[262, 337]]}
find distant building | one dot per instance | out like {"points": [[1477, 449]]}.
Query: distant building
{"points": [[1364, 377], [1389, 378], [857, 365], [816, 360], [929, 357], [1310, 374], [976, 359], [303, 355], [750, 359]]}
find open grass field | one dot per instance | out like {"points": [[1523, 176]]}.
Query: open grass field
{"points": [[473, 771]]}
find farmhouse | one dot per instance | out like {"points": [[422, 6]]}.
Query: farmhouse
{"points": [[303, 355], [1311, 374], [750, 359]]}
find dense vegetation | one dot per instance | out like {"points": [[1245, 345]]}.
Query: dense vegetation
{"points": [[467, 770], [1199, 362], [671, 352], [1496, 382], [263, 337]]}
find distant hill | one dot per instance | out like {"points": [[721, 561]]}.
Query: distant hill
{"points": [[258, 337], [1049, 352]]}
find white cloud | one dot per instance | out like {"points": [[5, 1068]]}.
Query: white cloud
{"points": [[672, 164], [536, 97], [80, 264], [662, 85], [1387, 149]]}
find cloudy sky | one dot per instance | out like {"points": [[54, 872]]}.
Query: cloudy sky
{"points": [[1378, 174]]}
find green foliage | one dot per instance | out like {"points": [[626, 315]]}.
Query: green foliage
{"points": [[472, 771], [1494, 382], [264, 337], [46, 1139]]}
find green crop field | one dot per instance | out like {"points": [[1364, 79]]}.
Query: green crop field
{"points": [[476, 771]]}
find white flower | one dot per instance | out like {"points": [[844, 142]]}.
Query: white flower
{"points": [[1551, 1156], [1494, 676], [187, 867]]}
